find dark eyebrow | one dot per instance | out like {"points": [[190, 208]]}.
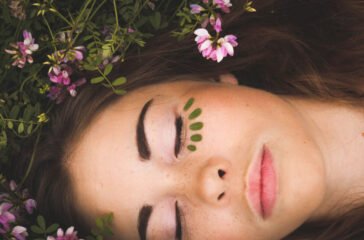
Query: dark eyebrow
{"points": [[142, 142], [143, 218]]}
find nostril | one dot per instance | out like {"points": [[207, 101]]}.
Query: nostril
{"points": [[221, 173], [221, 195]]}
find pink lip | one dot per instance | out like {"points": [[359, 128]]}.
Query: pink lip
{"points": [[261, 188]]}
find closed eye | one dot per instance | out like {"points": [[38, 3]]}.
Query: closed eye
{"points": [[179, 140], [179, 124]]}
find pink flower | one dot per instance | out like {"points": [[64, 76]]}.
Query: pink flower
{"points": [[23, 50], [72, 88], [75, 54], [223, 4], [12, 185], [69, 235], [60, 74], [6, 217], [195, 8], [204, 41], [215, 51], [30, 205], [216, 23], [55, 94], [19, 232]]}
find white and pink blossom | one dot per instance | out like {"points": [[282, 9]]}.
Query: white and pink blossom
{"points": [[22, 51], [223, 4], [215, 50], [195, 8], [70, 234], [19, 232]]}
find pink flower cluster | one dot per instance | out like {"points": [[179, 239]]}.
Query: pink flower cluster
{"points": [[60, 73], [70, 234], [215, 51], [9, 212], [23, 51], [215, 48]]}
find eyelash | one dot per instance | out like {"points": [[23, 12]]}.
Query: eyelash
{"points": [[181, 138]]}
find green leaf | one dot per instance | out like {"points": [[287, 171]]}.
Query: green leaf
{"points": [[196, 137], [96, 80], [119, 81], [21, 128], [3, 139], [41, 223], [10, 125], [14, 112], [37, 108], [195, 113], [36, 229], [89, 67], [30, 128], [191, 147], [196, 126], [52, 228], [119, 91], [108, 69], [27, 113], [188, 104], [155, 20]]}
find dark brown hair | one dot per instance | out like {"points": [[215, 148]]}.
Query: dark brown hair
{"points": [[304, 48]]}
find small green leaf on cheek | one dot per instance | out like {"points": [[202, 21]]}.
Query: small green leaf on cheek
{"points": [[188, 104], [191, 147], [196, 137], [196, 126], [195, 113]]}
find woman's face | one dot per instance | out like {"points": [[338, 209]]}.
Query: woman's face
{"points": [[210, 185]]}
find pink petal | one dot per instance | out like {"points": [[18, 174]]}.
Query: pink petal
{"points": [[207, 51], [204, 45], [229, 48], [34, 47], [30, 59], [217, 25], [78, 55], [219, 54], [201, 32], [27, 34], [10, 51], [69, 231]]}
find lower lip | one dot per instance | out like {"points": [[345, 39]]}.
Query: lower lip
{"points": [[262, 184]]}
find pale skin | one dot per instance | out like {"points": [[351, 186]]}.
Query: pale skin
{"points": [[317, 149]]}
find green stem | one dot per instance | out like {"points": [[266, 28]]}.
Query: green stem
{"points": [[116, 16], [108, 81], [62, 17], [31, 160], [97, 9], [50, 31], [30, 77], [178, 9], [85, 21], [19, 121]]}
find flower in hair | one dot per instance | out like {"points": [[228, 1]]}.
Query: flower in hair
{"points": [[70, 234], [195, 8], [23, 51], [6, 217], [215, 50], [223, 4], [19, 232]]}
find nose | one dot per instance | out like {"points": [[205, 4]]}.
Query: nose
{"points": [[212, 185]]}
